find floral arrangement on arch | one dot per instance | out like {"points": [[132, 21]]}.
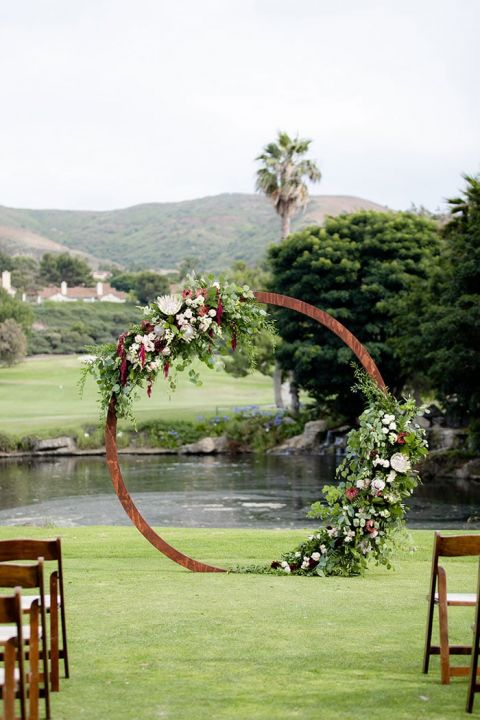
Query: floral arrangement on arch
{"points": [[206, 318], [364, 514]]}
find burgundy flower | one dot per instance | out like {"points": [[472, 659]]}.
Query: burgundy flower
{"points": [[121, 344], [166, 368], [234, 342], [187, 294], [275, 565], [401, 438], [147, 326], [123, 370], [149, 388], [142, 355], [219, 311], [351, 493], [203, 310], [370, 526]]}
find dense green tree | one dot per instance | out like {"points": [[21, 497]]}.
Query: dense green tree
{"points": [[447, 341], [145, 285], [237, 363], [13, 343], [55, 268], [283, 174], [12, 309], [358, 268]]}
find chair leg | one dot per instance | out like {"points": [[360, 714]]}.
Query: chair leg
{"points": [[64, 640], [443, 627], [54, 664], [428, 634], [33, 691], [8, 693], [472, 684]]}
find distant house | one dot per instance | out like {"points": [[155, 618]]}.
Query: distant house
{"points": [[102, 292]]}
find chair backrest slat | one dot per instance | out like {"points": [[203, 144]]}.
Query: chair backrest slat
{"points": [[25, 576], [27, 549], [8, 609], [457, 545]]}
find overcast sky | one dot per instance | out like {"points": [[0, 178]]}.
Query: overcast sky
{"points": [[109, 103]]}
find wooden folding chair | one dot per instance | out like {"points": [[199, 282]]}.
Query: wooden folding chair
{"points": [[447, 546], [474, 685], [12, 677], [49, 550], [31, 577]]}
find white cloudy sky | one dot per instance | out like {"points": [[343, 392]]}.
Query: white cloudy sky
{"points": [[108, 103]]}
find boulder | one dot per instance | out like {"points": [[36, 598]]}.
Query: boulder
{"points": [[446, 438], [205, 446], [57, 445], [309, 440]]}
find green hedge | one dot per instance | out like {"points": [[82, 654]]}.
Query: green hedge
{"points": [[63, 328]]}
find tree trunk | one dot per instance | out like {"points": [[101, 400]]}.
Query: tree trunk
{"points": [[285, 225], [277, 385], [295, 397]]}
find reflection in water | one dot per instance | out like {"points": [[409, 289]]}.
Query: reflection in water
{"points": [[212, 491]]}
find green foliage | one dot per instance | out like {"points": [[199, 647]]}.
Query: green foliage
{"points": [[145, 285], [55, 268], [358, 268], [364, 513], [237, 363], [13, 343], [62, 328], [251, 428], [446, 344], [24, 271], [12, 309]]}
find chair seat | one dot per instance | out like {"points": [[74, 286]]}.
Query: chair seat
{"points": [[8, 632], [466, 599], [2, 676], [28, 599]]}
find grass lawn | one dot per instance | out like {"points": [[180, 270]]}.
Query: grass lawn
{"points": [[41, 394], [150, 640]]}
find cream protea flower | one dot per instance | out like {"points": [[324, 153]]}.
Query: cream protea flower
{"points": [[400, 463], [169, 304]]}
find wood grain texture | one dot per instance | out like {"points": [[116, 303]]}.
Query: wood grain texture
{"points": [[111, 427]]}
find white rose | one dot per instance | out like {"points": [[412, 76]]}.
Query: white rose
{"points": [[400, 463], [391, 476], [188, 313], [166, 351], [385, 430], [305, 565], [360, 484], [378, 484], [212, 313], [316, 556], [323, 549], [392, 426]]}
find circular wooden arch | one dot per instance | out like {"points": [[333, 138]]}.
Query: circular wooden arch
{"points": [[111, 427]]}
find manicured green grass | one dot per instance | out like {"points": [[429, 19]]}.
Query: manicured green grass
{"points": [[41, 394], [150, 640]]}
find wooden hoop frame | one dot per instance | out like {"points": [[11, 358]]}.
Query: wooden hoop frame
{"points": [[111, 427]]}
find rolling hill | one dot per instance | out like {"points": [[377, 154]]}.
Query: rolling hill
{"points": [[218, 230]]}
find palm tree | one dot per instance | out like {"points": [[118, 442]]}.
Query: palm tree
{"points": [[282, 178], [283, 174]]}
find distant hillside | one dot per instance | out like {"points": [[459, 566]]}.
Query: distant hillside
{"points": [[217, 229]]}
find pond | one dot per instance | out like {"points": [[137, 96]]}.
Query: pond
{"points": [[213, 491]]}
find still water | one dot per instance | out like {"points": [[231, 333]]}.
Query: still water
{"points": [[221, 491]]}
